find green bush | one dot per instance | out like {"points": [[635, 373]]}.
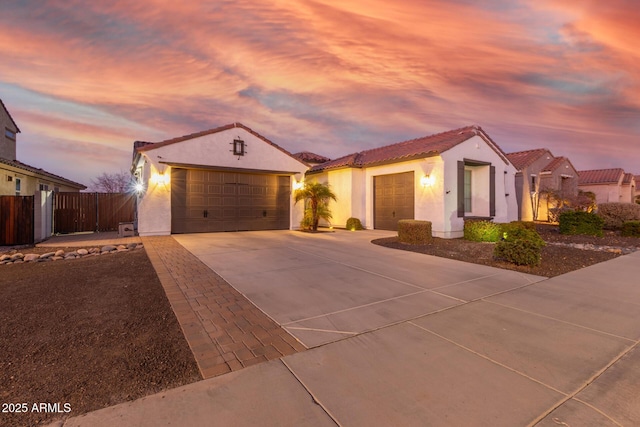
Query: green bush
{"points": [[529, 225], [616, 214], [519, 252], [354, 224], [414, 232], [631, 229], [482, 231], [580, 222], [518, 230]]}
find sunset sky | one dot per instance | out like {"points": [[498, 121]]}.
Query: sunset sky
{"points": [[83, 80]]}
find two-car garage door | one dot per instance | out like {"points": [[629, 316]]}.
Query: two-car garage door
{"points": [[208, 201]]}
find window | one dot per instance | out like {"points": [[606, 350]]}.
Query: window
{"points": [[533, 183], [9, 134], [18, 185], [467, 190], [44, 187], [238, 147]]}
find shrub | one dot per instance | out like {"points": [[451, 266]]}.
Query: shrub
{"points": [[482, 231], [354, 224], [519, 252], [631, 229], [519, 230], [414, 232], [615, 214], [580, 222]]}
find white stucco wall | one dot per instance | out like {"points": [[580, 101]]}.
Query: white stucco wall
{"points": [[154, 204], [506, 206]]}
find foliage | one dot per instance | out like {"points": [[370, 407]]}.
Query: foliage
{"points": [[482, 231], [580, 222], [354, 224], [414, 232], [316, 196], [519, 230], [615, 214], [519, 252], [631, 229], [583, 201], [111, 182]]}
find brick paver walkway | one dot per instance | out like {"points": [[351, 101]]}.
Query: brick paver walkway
{"points": [[225, 331]]}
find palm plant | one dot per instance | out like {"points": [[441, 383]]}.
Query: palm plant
{"points": [[317, 195]]}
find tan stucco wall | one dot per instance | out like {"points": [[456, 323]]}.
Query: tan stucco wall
{"points": [[605, 193], [7, 146], [154, 205]]}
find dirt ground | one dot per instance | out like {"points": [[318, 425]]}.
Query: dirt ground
{"points": [[88, 333], [556, 260]]}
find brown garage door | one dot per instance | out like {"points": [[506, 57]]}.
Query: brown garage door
{"points": [[206, 201], [393, 200]]}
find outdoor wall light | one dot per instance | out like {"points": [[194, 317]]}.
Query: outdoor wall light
{"points": [[297, 185], [160, 178], [427, 180], [139, 188]]}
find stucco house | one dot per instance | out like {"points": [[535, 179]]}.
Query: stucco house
{"points": [[225, 179], [21, 179], [443, 178], [628, 189], [606, 184], [541, 181]]}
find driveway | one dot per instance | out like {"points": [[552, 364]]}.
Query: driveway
{"points": [[398, 338]]}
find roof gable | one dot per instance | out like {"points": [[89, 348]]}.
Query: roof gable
{"points": [[522, 159], [9, 115], [556, 163], [600, 176], [426, 146], [628, 178], [308, 157]]}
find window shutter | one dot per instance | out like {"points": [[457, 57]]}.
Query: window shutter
{"points": [[492, 191], [460, 189]]}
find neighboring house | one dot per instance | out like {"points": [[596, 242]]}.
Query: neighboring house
{"points": [[636, 179], [606, 184], [443, 178], [628, 189], [224, 179], [20, 179], [543, 181]]}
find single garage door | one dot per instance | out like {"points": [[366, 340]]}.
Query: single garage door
{"points": [[207, 201], [393, 200]]}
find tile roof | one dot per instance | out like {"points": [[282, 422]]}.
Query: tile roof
{"points": [[628, 177], [522, 159], [139, 146], [42, 173], [9, 114], [427, 146], [309, 157], [600, 176]]}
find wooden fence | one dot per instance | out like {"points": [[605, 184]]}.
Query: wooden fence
{"points": [[75, 212], [16, 220]]}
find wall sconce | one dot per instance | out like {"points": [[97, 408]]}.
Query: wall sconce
{"points": [[427, 180], [138, 187], [160, 178], [297, 185]]}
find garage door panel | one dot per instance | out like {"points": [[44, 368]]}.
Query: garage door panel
{"points": [[393, 199]]}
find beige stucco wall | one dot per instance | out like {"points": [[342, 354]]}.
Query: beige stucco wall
{"points": [[154, 205], [605, 193], [7, 145]]}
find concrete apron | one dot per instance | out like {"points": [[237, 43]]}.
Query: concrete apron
{"points": [[449, 343]]}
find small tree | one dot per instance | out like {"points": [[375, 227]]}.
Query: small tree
{"points": [[317, 195], [111, 182]]}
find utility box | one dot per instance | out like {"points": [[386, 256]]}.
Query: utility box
{"points": [[125, 229]]}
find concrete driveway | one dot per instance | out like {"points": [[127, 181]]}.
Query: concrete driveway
{"points": [[398, 338]]}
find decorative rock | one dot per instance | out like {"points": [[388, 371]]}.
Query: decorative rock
{"points": [[18, 261], [121, 247], [31, 257], [108, 248], [70, 256], [132, 245], [17, 256], [94, 250], [57, 258], [47, 255], [5, 258], [105, 253], [82, 251], [59, 252]]}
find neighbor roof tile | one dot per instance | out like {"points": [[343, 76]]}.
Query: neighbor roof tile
{"points": [[600, 176]]}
